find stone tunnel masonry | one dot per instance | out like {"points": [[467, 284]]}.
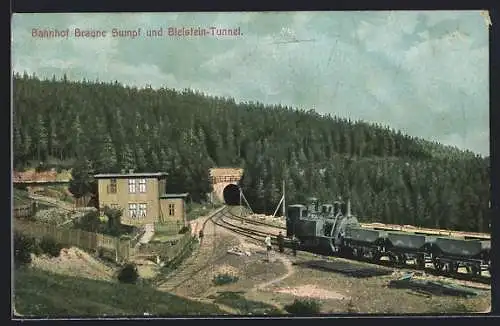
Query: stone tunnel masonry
{"points": [[224, 182]]}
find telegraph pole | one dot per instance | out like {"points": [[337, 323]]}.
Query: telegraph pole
{"points": [[284, 205], [241, 207], [213, 250]]}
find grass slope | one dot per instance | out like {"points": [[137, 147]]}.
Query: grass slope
{"points": [[40, 293], [21, 197]]}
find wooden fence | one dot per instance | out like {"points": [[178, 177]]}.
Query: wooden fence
{"points": [[124, 248], [24, 211], [73, 237]]}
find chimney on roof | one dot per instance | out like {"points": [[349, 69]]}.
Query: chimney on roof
{"points": [[123, 171], [130, 171]]}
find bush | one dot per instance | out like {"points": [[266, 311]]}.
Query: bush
{"points": [[184, 229], [304, 307], [128, 274], [51, 247], [23, 247], [225, 278], [114, 223]]}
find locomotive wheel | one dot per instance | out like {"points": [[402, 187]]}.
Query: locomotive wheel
{"points": [[402, 259], [393, 259], [346, 252], [376, 257]]}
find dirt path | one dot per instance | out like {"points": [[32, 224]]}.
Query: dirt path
{"points": [[148, 234], [289, 272], [179, 283]]}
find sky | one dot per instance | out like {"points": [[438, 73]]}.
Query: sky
{"points": [[422, 72]]}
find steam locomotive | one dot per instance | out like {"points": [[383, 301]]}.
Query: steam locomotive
{"points": [[333, 230]]}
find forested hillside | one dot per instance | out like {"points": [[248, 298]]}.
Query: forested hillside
{"points": [[390, 177]]}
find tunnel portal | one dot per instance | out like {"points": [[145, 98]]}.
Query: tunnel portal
{"points": [[231, 194]]}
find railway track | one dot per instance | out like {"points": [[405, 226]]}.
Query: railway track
{"points": [[259, 236], [192, 267], [254, 222], [253, 235]]}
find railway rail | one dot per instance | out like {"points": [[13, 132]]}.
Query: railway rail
{"points": [[253, 221], [259, 236], [190, 269]]}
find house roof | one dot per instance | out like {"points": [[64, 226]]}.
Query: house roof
{"points": [[174, 195], [131, 175]]}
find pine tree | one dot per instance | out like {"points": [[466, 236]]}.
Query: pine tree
{"points": [[140, 158], [127, 159], [40, 138], [107, 158]]}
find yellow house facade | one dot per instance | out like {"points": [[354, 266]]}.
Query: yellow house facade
{"points": [[141, 197]]}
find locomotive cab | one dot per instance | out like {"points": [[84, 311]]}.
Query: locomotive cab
{"points": [[294, 214]]}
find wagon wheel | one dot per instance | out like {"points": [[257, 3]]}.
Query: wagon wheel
{"points": [[392, 258], [439, 266], [473, 270], [376, 256], [420, 261], [452, 267]]}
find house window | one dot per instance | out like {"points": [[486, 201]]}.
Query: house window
{"points": [[142, 185], [112, 186], [132, 210], [115, 206], [142, 210], [131, 186], [171, 209]]}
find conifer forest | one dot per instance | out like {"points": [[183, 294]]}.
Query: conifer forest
{"points": [[389, 177]]}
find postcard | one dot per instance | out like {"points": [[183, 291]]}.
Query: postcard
{"points": [[250, 164]]}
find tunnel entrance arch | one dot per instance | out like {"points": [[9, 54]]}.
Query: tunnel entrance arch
{"points": [[225, 185], [231, 194]]}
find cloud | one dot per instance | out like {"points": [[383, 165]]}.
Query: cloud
{"points": [[425, 73]]}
